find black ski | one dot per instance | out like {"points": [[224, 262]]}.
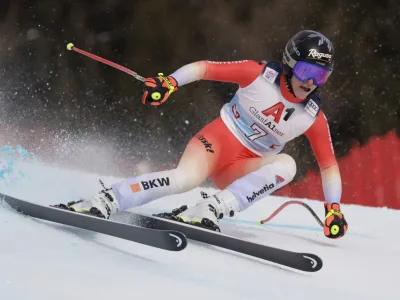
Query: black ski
{"points": [[301, 261], [165, 234], [166, 239]]}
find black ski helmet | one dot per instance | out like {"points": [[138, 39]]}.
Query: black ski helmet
{"points": [[309, 46]]}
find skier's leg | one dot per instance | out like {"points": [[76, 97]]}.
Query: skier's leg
{"points": [[241, 168], [136, 191], [193, 169], [250, 180], [272, 173], [200, 158], [213, 148]]}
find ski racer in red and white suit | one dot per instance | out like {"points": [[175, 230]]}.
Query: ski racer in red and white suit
{"points": [[240, 150]]}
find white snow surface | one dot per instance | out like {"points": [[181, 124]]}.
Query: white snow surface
{"points": [[42, 260]]}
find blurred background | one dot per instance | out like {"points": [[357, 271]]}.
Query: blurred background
{"points": [[71, 111]]}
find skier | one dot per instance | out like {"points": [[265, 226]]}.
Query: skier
{"points": [[240, 150]]}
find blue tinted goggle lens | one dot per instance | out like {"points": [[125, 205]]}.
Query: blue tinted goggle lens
{"points": [[305, 71]]}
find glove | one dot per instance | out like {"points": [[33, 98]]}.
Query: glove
{"points": [[158, 89], [335, 225]]}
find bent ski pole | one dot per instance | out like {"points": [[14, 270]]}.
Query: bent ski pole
{"points": [[71, 47], [279, 209], [204, 195]]}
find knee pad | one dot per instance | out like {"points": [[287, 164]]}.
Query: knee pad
{"points": [[289, 164]]}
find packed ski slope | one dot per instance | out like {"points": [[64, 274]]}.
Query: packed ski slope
{"points": [[41, 260]]}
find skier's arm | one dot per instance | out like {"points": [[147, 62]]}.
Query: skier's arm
{"points": [[158, 89], [335, 225], [320, 140], [240, 72]]}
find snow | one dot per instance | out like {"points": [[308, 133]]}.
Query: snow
{"points": [[41, 260]]}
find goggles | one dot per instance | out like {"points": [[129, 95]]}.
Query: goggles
{"points": [[305, 71]]}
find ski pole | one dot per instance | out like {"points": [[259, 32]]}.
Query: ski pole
{"points": [[279, 209], [204, 195], [71, 47]]}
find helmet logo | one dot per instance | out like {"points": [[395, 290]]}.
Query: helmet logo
{"points": [[322, 40], [315, 54]]}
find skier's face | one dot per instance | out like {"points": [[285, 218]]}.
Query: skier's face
{"points": [[302, 89]]}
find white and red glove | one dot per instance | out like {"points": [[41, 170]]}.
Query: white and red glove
{"points": [[335, 225], [158, 89]]}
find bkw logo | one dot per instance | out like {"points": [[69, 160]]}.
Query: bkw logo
{"points": [[150, 184]]}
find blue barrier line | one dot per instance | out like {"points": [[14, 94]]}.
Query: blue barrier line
{"points": [[291, 226], [271, 224]]}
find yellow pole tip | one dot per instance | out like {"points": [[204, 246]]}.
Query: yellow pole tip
{"points": [[261, 222], [70, 46]]}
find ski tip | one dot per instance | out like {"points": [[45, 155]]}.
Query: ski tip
{"points": [[70, 46], [180, 240], [315, 262]]}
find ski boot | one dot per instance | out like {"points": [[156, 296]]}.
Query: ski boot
{"points": [[207, 212], [102, 205]]}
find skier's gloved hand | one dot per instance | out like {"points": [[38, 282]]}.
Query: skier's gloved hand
{"points": [[335, 225], [158, 89]]}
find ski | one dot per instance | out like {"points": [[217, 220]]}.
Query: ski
{"points": [[164, 234], [166, 239], [301, 261]]}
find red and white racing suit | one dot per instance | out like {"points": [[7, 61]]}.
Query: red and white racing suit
{"points": [[240, 149]]}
